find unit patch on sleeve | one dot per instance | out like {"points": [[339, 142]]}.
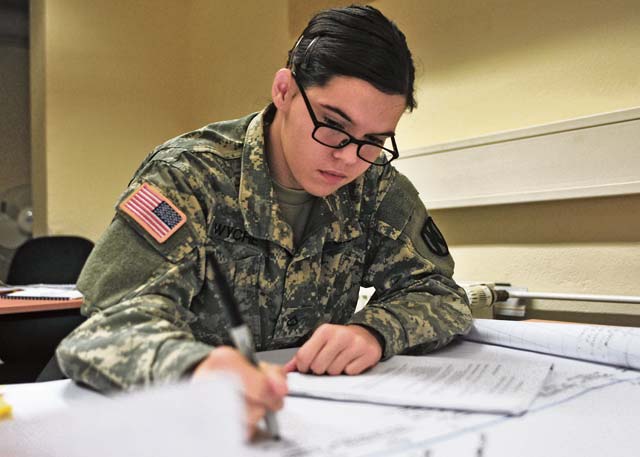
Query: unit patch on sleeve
{"points": [[155, 213], [434, 239]]}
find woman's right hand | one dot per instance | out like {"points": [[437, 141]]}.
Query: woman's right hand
{"points": [[264, 387]]}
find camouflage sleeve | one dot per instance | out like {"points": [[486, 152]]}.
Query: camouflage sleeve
{"points": [[417, 306], [137, 293]]}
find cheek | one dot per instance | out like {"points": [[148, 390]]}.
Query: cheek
{"points": [[309, 154], [297, 150], [360, 168]]}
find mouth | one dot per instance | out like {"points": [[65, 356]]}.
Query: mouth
{"points": [[337, 174], [332, 176]]}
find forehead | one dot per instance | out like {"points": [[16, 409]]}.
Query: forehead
{"points": [[365, 105]]}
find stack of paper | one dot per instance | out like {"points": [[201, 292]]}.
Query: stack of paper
{"points": [[433, 382], [41, 292]]}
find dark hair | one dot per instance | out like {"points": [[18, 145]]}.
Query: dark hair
{"points": [[356, 41]]}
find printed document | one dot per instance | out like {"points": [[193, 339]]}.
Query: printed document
{"points": [[433, 382]]}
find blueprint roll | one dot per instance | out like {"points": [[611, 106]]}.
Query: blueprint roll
{"points": [[617, 346]]}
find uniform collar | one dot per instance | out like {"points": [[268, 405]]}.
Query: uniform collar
{"points": [[338, 214]]}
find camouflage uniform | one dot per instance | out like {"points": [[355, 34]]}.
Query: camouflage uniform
{"points": [[156, 308]]}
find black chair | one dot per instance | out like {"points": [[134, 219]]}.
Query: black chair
{"points": [[49, 260], [28, 340]]}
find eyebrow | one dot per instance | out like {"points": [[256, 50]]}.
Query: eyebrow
{"points": [[344, 115], [339, 112]]}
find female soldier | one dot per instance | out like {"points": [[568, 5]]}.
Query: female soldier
{"points": [[299, 206]]}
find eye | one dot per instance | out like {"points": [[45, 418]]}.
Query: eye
{"points": [[344, 142], [332, 123], [377, 141]]}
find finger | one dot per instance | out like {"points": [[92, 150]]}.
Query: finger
{"points": [[341, 361], [329, 353], [268, 399], [260, 434], [291, 365], [358, 365], [272, 366], [276, 378], [341, 338], [273, 387], [307, 353], [258, 389], [254, 413], [252, 431]]}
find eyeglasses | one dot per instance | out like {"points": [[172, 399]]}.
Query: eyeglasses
{"points": [[327, 135]]}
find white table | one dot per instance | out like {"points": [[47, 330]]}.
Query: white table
{"points": [[585, 409]]}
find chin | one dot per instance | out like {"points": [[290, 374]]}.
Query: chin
{"points": [[320, 191], [319, 188]]}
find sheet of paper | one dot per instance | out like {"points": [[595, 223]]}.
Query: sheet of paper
{"points": [[191, 419], [433, 382], [618, 346], [7, 289], [576, 396]]}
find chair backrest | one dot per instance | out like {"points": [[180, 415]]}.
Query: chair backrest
{"points": [[49, 260]]}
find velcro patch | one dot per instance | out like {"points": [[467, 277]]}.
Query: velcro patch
{"points": [[155, 213], [434, 239]]}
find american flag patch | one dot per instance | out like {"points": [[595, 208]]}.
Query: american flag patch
{"points": [[154, 212]]}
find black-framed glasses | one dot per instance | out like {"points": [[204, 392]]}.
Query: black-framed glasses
{"points": [[327, 135]]}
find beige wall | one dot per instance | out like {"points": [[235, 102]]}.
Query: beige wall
{"points": [[37, 82], [14, 112], [234, 50], [117, 78], [490, 65], [300, 11], [15, 164], [120, 77], [495, 65]]}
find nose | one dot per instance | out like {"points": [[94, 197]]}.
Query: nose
{"points": [[347, 154]]}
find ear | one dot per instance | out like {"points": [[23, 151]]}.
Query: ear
{"points": [[281, 89]]}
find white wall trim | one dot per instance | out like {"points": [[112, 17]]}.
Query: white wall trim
{"points": [[585, 157]]}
